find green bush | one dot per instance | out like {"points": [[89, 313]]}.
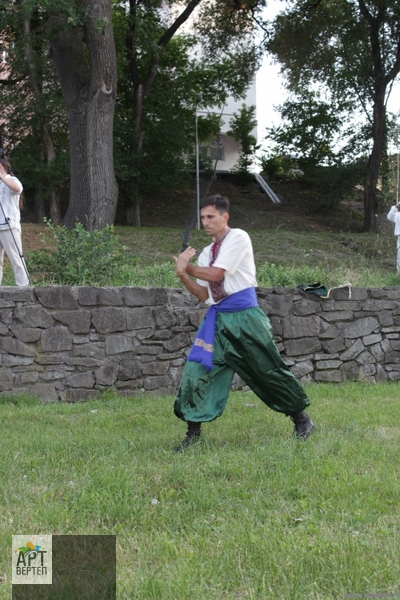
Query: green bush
{"points": [[271, 275], [81, 257]]}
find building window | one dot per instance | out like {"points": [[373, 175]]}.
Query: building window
{"points": [[213, 152]]}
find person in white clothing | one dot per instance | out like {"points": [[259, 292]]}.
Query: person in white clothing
{"points": [[10, 224], [394, 216]]}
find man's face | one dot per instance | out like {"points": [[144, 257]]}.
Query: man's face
{"points": [[213, 222]]}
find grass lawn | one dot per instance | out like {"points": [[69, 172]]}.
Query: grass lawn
{"points": [[248, 512]]}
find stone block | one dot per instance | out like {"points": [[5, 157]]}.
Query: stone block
{"points": [[196, 317], [278, 305], [53, 375], [58, 296], [12, 294], [107, 374], [109, 319], [27, 335], [154, 383], [6, 380], [155, 368], [13, 346], [25, 378], [385, 318], [365, 358], [162, 334], [328, 331], [175, 374], [333, 346], [77, 320], [91, 350], [303, 308], [328, 376], [393, 375], [139, 318], [56, 339], [392, 293], [44, 391], [85, 361], [150, 350], [300, 327], [177, 342], [302, 346], [98, 296], [277, 327], [367, 371], [337, 316], [377, 353], [180, 298], [392, 357], [328, 364], [129, 369], [117, 344], [33, 316], [350, 371], [80, 380], [376, 306], [164, 317], [353, 351], [135, 296], [381, 376], [15, 360], [373, 338], [301, 369]]}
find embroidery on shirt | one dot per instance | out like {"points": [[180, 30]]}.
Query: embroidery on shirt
{"points": [[217, 288]]}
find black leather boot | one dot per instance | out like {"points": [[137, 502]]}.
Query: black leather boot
{"points": [[303, 426], [192, 435]]}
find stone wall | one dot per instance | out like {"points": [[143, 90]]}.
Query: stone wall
{"points": [[62, 343]]}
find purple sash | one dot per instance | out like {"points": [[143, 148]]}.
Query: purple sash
{"points": [[203, 345]]}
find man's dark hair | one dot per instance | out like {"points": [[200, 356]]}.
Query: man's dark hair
{"points": [[221, 203]]}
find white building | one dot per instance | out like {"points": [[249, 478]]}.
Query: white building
{"points": [[225, 149]]}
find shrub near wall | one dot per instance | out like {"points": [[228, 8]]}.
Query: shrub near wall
{"points": [[73, 343]]}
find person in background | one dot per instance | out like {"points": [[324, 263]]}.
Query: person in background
{"points": [[394, 216], [10, 224], [236, 335]]}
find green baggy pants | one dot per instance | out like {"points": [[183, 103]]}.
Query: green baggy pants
{"points": [[243, 344]]}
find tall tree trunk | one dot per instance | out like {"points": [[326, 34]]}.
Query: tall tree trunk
{"points": [[374, 163], [48, 145], [85, 62]]}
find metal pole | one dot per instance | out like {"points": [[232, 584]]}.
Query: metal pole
{"points": [[197, 173]]}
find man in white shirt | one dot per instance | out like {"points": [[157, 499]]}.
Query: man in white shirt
{"points": [[236, 336], [394, 216], [10, 224]]}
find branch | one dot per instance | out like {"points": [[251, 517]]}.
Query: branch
{"points": [[183, 17]]}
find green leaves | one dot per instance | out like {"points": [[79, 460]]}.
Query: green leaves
{"points": [[82, 257]]}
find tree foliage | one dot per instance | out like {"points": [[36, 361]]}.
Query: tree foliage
{"points": [[353, 48]]}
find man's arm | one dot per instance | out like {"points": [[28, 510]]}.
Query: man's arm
{"points": [[186, 271]]}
